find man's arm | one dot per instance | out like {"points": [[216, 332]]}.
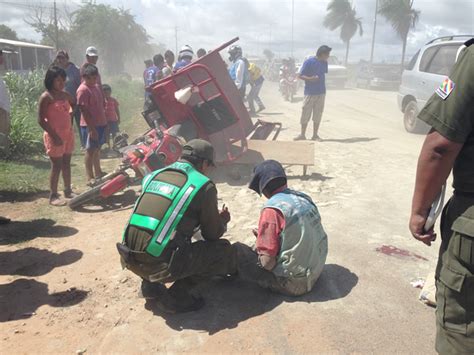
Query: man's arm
{"points": [[212, 225], [270, 226], [82, 102], [449, 112], [436, 160], [303, 73], [239, 75]]}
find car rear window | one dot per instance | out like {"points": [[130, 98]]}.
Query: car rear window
{"points": [[439, 60], [427, 57], [444, 60]]}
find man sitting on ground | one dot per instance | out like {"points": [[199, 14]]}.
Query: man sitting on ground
{"points": [[291, 245]]}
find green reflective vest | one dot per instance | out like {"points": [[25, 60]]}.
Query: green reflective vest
{"points": [[177, 197]]}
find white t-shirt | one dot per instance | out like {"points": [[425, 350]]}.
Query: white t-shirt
{"points": [[4, 96]]}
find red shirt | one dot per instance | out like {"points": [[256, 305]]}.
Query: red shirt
{"points": [[270, 226], [111, 109], [90, 97]]}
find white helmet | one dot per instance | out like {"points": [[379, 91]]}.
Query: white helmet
{"points": [[186, 51]]}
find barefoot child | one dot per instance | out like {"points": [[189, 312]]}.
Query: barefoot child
{"points": [[93, 122], [112, 113], [54, 116]]}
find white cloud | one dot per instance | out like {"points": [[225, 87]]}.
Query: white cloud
{"points": [[267, 23]]}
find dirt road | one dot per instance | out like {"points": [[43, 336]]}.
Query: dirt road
{"points": [[62, 288]]}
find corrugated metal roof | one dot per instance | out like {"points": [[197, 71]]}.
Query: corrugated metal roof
{"points": [[22, 44]]}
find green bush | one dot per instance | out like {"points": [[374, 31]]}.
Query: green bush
{"points": [[25, 134]]}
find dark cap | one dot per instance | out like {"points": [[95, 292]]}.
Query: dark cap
{"points": [[199, 148], [265, 172], [323, 49]]}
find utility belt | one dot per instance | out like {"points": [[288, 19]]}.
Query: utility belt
{"points": [[165, 268]]}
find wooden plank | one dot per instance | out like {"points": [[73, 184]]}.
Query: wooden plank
{"points": [[289, 153]]}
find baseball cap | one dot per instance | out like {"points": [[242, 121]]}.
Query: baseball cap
{"points": [[199, 148], [265, 172], [92, 52]]}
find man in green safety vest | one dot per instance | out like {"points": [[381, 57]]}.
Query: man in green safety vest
{"points": [[156, 245]]}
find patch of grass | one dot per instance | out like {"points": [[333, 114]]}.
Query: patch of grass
{"points": [[30, 174]]}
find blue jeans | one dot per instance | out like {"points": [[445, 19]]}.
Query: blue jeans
{"points": [[253, 95]]}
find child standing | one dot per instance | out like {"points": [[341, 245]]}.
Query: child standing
{"points": [[54, 116], [93, 122], [112, 113]]}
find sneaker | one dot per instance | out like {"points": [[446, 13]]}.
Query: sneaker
{"points": [[316, 138], [151, 290], [261, 108], [300, 138]]}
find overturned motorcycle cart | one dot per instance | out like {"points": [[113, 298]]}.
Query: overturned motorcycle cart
{"points": [[201, 101]]}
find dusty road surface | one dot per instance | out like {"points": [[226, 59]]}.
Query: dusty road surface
{"points": [[62, 288]]}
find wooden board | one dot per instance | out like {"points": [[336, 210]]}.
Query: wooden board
{"points": [[287, 153]]}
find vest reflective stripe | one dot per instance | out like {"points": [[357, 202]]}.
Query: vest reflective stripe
{"points": [[180, 197], [147, 222], [184, 200]]}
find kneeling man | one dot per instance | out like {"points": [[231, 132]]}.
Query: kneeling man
{"points": [[291, 245]]}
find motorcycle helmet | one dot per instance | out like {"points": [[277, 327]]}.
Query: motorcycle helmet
{"points": [[186, 51], [235, 52]]}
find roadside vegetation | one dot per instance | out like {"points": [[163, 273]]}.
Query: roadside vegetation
{"points": [[25, 168]]}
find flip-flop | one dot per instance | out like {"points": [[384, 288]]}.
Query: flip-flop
{"points": [[57, 201]]}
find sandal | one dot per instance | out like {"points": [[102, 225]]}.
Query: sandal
{"points": [[56, 200], [91, 183]]}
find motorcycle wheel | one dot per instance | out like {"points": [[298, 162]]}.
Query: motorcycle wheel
{"points": [[86, 196]]}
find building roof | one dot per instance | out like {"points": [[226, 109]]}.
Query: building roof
{"points": [[22, 44]]}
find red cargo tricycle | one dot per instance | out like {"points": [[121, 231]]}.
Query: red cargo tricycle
{"points": [[199, 101]]}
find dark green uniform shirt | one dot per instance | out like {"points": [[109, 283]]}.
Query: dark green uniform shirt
{"points": [[202, 212], [453, 117]]}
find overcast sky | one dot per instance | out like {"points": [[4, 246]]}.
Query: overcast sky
{"points": [[267, 24]]}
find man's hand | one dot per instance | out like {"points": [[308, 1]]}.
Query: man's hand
{"points": [[225, 214], [57, 141], [94, 136], [417, 225], [313, 78]]}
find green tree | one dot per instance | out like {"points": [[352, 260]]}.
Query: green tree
{"points": [[342, 15], [7, 33], [268, 54], [402, 16], [113, 31]]}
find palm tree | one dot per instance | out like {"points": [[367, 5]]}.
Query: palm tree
{"points": [[402, 16], [342, 15]]}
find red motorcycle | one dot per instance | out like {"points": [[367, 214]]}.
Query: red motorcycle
{"points": [[152, 151]]}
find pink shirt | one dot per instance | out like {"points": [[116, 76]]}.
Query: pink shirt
{"points": [[111, 109], [58, 115], [90, 97]]}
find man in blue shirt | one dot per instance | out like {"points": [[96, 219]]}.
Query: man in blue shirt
{"points": [[313, 72]]}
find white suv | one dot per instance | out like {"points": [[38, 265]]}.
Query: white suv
{"points": [[423, 75]]}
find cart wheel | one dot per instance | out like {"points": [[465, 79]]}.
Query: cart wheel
{"points": [[85, 197]]}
